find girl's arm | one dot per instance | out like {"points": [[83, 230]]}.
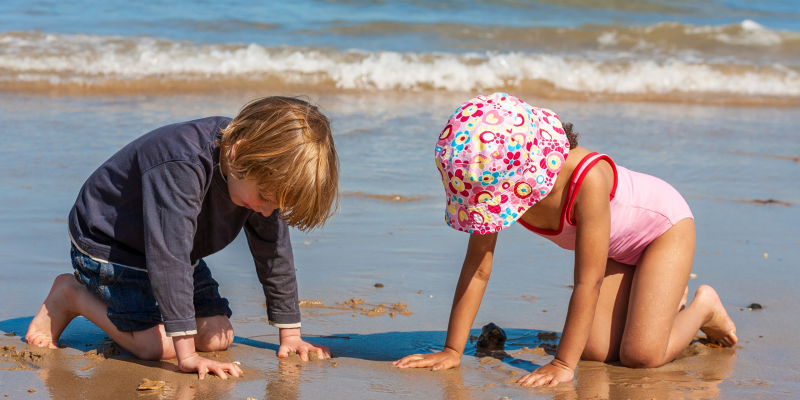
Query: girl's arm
{"points": [[469, 292], [593, 215]]}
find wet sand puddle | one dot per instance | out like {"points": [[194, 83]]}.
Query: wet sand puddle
{"points": [[106, 372]]}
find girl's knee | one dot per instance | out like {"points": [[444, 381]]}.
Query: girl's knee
{"points": [[640, 358], [591, 353]]}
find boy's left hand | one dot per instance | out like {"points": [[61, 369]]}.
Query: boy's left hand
{"points": [[294, 343], [551, 375]]}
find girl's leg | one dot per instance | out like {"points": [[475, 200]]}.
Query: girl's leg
{"points": [[612, 313], [654, 333], [68, 299]]}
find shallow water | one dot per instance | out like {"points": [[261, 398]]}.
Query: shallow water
{"points": [[719, 158]]}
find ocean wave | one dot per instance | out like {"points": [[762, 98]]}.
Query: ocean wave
{"points": [[87, 60], [747, 40]]}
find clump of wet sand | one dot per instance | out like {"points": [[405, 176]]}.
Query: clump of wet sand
{"points": [[374, 310], [311, 303]]}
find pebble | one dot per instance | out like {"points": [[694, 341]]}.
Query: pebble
{"points": [[766, 255], [378, 285], [755, 306], [431, 296], [31, 390], [692, 276], [306, 243]]}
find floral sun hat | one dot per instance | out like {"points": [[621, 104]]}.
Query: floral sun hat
{"points": [[498, 156]]}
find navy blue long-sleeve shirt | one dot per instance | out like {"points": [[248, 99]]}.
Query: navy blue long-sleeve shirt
{"points": [[161, 204]]}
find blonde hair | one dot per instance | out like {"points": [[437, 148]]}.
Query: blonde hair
{"points": [[285, 144]]}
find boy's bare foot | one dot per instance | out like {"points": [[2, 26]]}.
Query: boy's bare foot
{"points": [[719, 328], [682, 305], [54, 315]]}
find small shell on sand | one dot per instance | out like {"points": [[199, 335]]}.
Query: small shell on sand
{"points": [[692, 276], [236, 362], [378, 285], [766, 255], [150, 385]]}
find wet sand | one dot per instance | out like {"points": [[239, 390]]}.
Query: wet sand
{"points": [[51, 144]]}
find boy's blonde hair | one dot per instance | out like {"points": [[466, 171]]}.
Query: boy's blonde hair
{"points": [[285, 144]]}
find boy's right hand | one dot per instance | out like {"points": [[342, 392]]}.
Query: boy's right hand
{"points": [[203, 366], [445, 359]]}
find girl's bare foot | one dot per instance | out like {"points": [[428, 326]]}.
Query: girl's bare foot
{"points": [[682, 305], [719, 328], [54, 315]]}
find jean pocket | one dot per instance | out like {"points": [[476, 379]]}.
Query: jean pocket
{"points": [[110, 274]]}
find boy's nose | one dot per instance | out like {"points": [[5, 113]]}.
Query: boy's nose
{"points": [[267, 210]]}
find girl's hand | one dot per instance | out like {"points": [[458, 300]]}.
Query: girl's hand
{"points": [[445, 359], [298, 345], [203, 366], [551, 374]]}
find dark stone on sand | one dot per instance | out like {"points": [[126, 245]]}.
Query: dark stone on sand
{"points": [[755, 306], [492, 336], [379, 285], [10, 334]]}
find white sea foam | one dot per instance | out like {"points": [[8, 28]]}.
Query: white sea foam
{"points": [[87, 59]]}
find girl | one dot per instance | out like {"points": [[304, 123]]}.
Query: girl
{"points": [[503, 161]]}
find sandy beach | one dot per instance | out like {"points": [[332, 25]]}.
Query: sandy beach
{"points": [[704, 96]]}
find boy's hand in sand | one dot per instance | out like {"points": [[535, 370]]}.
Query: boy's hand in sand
{"points": [[190, 361], [548, 375], [292, 342], [444, 359], [203, 366]]}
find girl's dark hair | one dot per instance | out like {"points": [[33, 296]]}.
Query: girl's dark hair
{"points": [[571, 136]]}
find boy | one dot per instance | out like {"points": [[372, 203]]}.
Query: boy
{"points": [[145, 219]]}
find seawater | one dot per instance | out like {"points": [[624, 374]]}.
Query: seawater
{"points": [[649, 48]]}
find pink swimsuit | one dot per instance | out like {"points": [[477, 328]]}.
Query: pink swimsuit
{"points": [[642, 208]]}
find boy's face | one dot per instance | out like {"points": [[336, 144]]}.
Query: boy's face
{"points": [[244, 193]]}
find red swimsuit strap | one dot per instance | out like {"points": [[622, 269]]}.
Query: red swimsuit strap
{"points": [[578, 181], [572, 190]]}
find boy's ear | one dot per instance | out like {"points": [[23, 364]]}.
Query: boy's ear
{"points": [[233, 149]]}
